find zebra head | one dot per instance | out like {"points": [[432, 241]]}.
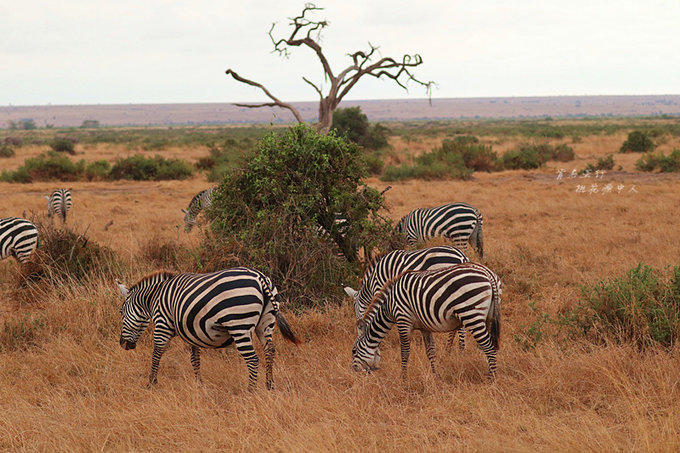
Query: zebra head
{"points": [[136, 317], [365, 357], [189, 220]]}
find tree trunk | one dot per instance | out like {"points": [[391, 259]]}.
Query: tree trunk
{"points": [[325, 116]]}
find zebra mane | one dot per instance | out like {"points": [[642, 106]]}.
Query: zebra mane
{"points": [[162, 275], [380, 296]]}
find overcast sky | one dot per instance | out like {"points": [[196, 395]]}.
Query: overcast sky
{"points": [[171, 51]]}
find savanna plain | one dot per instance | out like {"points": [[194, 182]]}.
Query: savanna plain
{"points": [[66, 384]]}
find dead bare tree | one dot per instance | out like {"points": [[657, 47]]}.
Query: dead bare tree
{"points": [[307, 32]]}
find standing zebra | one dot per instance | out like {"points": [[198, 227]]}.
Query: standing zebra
{"points": [[458, 221], [438, 300], [18, 238], [201, 200], [59, 203], [207, 311], [391, 265]]}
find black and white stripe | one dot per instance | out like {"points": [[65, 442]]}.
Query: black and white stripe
{"points": [[392, 264], [438, 300], [202, 200], [207, 311], [59, 203], [457, 221], [18, 238]]}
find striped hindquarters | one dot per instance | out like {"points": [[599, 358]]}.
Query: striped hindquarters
{"points": [[18, 238], [59, 203], [456, 221]]}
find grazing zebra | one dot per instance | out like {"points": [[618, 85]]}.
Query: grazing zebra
{"points": [[458, 221], [18, 238], [392, 264], [201, 200], [207, 311], [439, 300], [59, 203]]}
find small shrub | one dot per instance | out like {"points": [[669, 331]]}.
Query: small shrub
{"points": [[97, 170], [353, 124], [46, 167], [62, 258], [603, 163], [638, 142], [651, 161], [643, 307], [13, 141], [522, 158], [64, 145], [6, 151], [563, 153], [157, 168]]}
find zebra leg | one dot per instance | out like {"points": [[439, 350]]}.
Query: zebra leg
{"points": [[158, 350], [428, 341], [481, 335], [244, 345], [196, 362], [405, 342], [269, 351]]}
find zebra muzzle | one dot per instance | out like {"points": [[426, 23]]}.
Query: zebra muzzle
{"points": [[127, 345]]}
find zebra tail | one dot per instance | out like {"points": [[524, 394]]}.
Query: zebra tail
{"points": [[493, 320], [285, 329], [478, 236]]}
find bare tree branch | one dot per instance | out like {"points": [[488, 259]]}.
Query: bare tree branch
{"points": [[276, 103]]}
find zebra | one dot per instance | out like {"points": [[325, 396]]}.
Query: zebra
{"points": [[438, 300], [392, 264], [59, 203], [458, 221], [18, 238], [202, 200], [207, 311]]}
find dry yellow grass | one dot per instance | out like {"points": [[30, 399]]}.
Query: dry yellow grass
{"points": [[74, 389]]}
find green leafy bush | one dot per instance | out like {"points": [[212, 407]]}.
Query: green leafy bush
{"points": [[97, 170], [293, 184], [651, 162], [224, 157], [638, 142], [641, 307], [529, 156], [157, 168], [6, 151], [353, 124], [603, 163], [448, 161], [522, 158], [46, 167], [64, 145]]}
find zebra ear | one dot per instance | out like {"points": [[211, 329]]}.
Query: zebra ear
{"points": [[47, 197], [184, 211], [350, 292], [122, 288]]}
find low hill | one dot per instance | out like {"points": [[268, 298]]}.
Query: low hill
{"points": [[377, 110]]}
